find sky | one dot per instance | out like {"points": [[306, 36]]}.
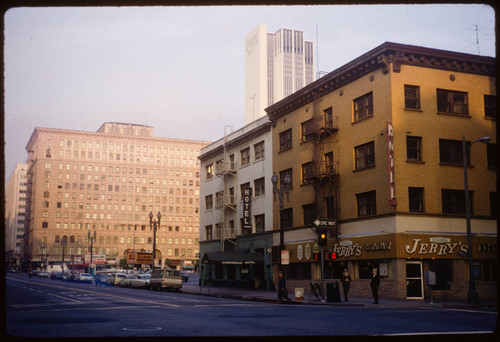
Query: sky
{"points": [[181, 69]]}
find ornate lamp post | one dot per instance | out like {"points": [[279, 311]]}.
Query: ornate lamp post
{"points": [[154, 224], [91, 237], [285, 189], [472, 296], [64, 243]]}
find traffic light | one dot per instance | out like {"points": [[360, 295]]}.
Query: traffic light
{"points": [[322, 238], [316, 256], [331, 255]]}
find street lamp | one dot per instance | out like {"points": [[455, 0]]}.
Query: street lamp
{"points": [[285, 189], [64, 243], [154, 224], [91, 237], [472, 296]]}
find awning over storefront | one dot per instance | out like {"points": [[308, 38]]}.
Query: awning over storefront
{"points": [[232, 258]]}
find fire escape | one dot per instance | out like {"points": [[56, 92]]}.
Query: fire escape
{"points": [[225, 200], [321, 172]]}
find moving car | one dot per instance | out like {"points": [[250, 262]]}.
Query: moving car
{"points": [[166, 278]]}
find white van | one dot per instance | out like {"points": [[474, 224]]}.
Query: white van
{"points": [[166, 278]]}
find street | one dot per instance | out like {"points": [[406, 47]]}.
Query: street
{"points": [[41, 307]]}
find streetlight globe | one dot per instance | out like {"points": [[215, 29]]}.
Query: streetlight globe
{"points": [[274, 179], [287, 179], [159, 216], [150, 215]]}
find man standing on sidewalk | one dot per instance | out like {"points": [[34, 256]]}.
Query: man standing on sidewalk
{"points": [[375, 283], [282, 291]]}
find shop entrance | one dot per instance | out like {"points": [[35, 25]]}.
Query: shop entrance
{"points": [[414, 280]]}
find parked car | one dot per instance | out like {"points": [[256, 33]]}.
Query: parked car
{"points": [[100, 278], [166, 278], [185, 277], [43, 274], [141, 280], [126, 281], [85, 278], [56, 275], [114, 278]]}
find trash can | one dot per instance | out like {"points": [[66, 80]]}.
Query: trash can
{"points": [[332, 292], [299, 293]]}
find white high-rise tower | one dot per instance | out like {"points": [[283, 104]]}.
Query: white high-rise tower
{"points": [[276, 65]]}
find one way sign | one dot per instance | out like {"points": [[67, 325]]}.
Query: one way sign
{"points": [[325, 223]]}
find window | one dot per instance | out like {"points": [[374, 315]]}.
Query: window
{"points": [[453, 201], [414, 148], [305, 128], [260, 188], [412, 97], [282, 177], [259, 150], [364, 155], [259, 223], [307, 172], [491, 150], [449, 101], [363, 106], [493, 204], [286, 140], [287, 218], [490, 106], [245, 156], [416, 199], [328, 116], [309, 212], [210, 171], [451, 151], [367, 204], [209, 202]]}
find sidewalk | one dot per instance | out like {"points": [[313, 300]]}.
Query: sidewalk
{"points": [[310, 299]]}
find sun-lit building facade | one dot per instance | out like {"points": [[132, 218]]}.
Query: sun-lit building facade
{"points": [[108, 182], [376, 148]]}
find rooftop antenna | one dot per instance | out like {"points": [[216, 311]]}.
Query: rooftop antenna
{"points": [[477, 42], [317, 52]]}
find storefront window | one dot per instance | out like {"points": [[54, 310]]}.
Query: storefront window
{"points": [[334, 269], [298, 270], [444, 273], [365, 268], [489, 270]]}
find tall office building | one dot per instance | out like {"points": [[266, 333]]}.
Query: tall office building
{"points": [[108, 182], [276, 65], [15, 203]]}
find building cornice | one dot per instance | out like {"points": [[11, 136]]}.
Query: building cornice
{"points": [[38, 130], [382, 57]]}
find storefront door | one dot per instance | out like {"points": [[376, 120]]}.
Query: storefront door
{"points": [[414, 280]]}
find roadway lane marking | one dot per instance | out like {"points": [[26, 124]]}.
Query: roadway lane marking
{"points": [[475, 311], [65, 298], [104, 294], [440, 333]]}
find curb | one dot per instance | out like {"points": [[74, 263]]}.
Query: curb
{"points": [[381, 305]]}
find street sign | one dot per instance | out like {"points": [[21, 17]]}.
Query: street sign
{"points": [[285, 257], [325, 223]]}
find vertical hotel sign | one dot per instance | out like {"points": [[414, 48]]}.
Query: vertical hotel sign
{"points": [[247, 197], [390, 164]]}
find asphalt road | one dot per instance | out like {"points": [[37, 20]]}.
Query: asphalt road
{"points": [[40, 307]]}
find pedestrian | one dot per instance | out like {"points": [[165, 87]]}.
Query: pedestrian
{"points": [[346, 282], [282, 291], [375, 283]]}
